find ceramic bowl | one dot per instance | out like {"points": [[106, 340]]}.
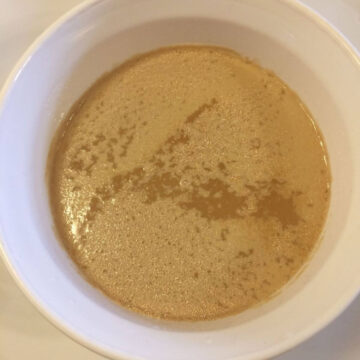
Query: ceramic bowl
{"points": [[283, 36]]}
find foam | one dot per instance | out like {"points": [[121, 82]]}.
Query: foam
{"points": [[189, 183]]}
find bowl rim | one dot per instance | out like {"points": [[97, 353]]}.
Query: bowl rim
{"points": [[297, 5]]}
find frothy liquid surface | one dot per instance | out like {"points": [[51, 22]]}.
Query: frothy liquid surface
{"points": [[189, 183]]}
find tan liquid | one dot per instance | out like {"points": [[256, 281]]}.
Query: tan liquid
{"points": [[189, 183]]}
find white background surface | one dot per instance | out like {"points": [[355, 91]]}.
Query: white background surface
{"points": [[24, 333]]}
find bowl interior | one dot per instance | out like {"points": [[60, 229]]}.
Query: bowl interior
{"points": [[281, 36]]}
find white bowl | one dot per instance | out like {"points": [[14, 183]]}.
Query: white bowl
{"points": [[281, 35]]}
